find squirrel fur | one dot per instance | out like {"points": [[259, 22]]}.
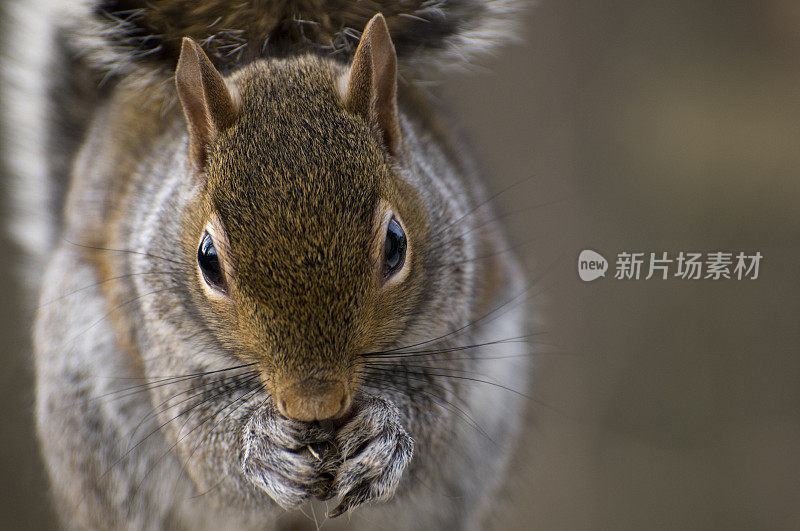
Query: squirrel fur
{"points": [[267, 272]]}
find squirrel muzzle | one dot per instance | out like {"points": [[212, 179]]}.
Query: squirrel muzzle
{"points": [[313, 399]]}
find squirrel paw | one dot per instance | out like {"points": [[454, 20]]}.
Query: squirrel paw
{"points": [[280, 458], [375, 450]]}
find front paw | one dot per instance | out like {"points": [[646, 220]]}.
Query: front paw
{"points": [[375, 450], [279, 457]]}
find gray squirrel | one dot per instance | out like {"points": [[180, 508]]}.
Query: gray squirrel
{"points": [[267, 272]]}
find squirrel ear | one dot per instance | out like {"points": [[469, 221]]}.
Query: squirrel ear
{"points": [[372, 82], [207, 102]]}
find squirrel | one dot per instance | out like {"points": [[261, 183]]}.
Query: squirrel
{"points": [[267, 272]]}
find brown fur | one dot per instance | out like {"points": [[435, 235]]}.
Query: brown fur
{"points": [[293, 197]]}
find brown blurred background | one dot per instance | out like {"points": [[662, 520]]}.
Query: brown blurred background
{"points": [[628, 126]]}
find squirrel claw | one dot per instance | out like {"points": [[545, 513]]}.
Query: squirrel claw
{"points": [[353, 499], [338, 511]]}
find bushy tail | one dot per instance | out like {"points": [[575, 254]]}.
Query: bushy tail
{"points": [[48, 94], [126, 36], [27, 194]]}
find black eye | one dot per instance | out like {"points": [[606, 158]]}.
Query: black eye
{"points": [[394, 250], [209, 263]]}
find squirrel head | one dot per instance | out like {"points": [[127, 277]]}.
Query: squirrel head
{"points": [[309, 245]]}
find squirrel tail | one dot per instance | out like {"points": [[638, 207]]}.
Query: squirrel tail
{"points": [[27, 42], [144, 36], [48, 95]]}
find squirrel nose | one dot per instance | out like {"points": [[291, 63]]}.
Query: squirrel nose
{"points": [[313, 399]]}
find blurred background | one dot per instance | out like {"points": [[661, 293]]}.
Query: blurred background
{"points": [[625, 126]]}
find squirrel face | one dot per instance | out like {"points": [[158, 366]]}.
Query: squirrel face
{"points": [[308, 242]]}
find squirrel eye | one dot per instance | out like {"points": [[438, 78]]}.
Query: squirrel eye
{"points": [[394, 249], [208, 260]]}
